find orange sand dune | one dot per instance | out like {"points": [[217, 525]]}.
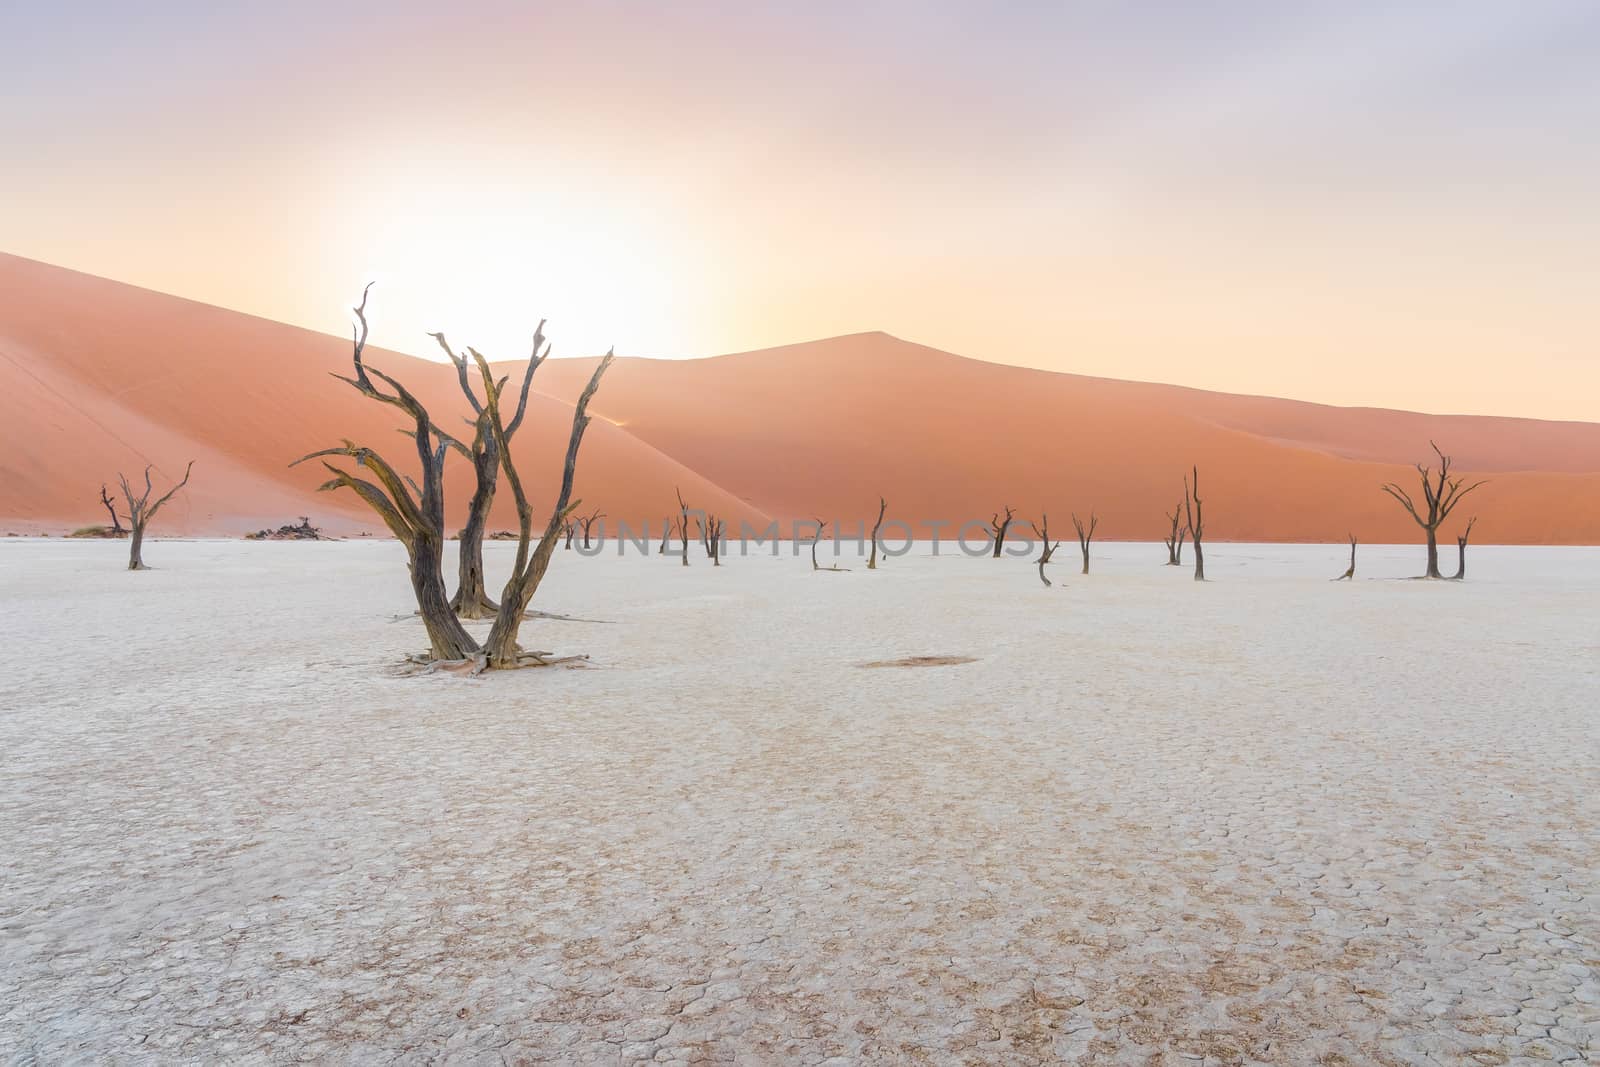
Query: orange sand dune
{"points": [[101, 376], [823, 428]]}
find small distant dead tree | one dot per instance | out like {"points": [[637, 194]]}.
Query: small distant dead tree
{"points": [[116, 520], [588, 522], [872, 560], [822, 528], [666, 531], [999, 526], [1175, 539], [1461, 549], [683, 526], [1195, 518], [471, 600], [141, 510], [570, 530], [1041, 530], [1440, 493], [1350, 574], [711, 537], [1085, 535]]}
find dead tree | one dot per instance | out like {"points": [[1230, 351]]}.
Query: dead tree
{"points": [[822, 527], [1175, 539], [999, 526], [682, 527], [1085, 535], [471, 600], [570, 531], [116, 520], [1440, 493], [711, 537], [1461, 550], [413, 512], [872, 560], [588, 522], [141, 510], [1195, 518], [501, 651], [1350, 574], [666, 531], [1041, 530]]}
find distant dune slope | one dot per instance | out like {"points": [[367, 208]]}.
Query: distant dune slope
{"points": [[99, 376]]}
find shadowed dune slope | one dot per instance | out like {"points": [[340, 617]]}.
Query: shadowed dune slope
{"points": [[99, 376]]}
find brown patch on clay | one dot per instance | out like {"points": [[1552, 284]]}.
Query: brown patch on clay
{"points": [[921, 661]]}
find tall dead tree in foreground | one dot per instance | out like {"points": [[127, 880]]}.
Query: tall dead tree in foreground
{"points": [[588, 522], [1350, 574], [1461, 549], [999, 526], [1085, 535], [1195, 518], [872, 560], [415, 518], [683, 526], [141, 510], [1041, 530], [1440, 493], [471, 600], [116, 520], [1175, 539]]}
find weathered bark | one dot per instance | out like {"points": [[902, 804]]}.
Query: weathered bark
{"points": [[1461, 550], [1175, 539], [116, 520], [872, 560], [1085, 535], [1041, 530], [414, 513], [1440, 496], [1194, 516], [1350, 574], [1000, 526], [501, 651], [141, 511]]}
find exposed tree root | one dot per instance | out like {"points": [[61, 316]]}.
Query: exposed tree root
{"points": [[472, 666]]}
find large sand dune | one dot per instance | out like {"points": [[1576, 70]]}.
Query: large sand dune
{"points": [[100, 376]]}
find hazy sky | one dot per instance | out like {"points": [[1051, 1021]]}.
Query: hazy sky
{"points": [[1393, 204]]}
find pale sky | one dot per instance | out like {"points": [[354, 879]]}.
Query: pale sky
{"points": [[1390, 204]]}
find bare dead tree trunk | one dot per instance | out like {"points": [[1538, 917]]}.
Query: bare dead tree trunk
{"points": [[116, 520], [588, 525], [1461, 549], [821, 526], [501, 651], [872, 560], [471, 600], [683, 526], [416, 519], [999, 526], [1440, 496], [570, 530], [713, 539], [1175, 539], [1041, 530], [1085, 535], [666, 531], [1195, 519], [141, 511], [1350, 575]]}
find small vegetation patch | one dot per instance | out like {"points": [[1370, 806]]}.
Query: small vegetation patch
{"points": [[303, 531], [922, 661]]}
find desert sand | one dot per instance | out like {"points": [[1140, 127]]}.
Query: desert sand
{"points": [[100, 377], [1268, 819]]}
